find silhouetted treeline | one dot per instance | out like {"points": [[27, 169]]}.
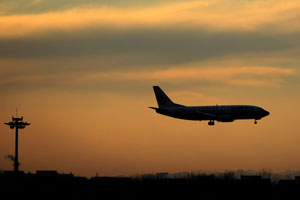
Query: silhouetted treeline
{"points": [[149, 186]]}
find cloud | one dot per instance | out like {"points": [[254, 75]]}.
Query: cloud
{"points": [[14, 7], [222, 73], [34, 2], [158, 42], [251, 76], [220, 15], [158, 36], [157, 46]]}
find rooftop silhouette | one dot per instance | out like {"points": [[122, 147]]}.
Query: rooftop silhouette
{"points": [[149, 186]]}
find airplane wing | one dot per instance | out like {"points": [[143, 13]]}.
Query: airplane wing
{"points": [[204, 113], [153, 108]]}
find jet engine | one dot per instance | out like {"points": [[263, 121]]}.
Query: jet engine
{"points": [[225, 118]]}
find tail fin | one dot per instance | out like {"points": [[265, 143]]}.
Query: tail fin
{"points": [[162, 99]]}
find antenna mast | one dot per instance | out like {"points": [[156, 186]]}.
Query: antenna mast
{"points": [[17, 123]]}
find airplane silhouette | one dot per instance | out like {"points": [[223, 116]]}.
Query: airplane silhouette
{"points": [[219, 113]]}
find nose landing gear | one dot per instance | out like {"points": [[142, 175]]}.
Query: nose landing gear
{"points": [[255, 122], [211, 122]]}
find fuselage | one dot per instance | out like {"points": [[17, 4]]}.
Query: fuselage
{"points": [[221, 113]]}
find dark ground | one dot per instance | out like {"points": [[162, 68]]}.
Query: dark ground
{"points": [[193, 187]]}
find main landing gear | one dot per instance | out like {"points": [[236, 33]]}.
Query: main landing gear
{"points": [[211, 122], [255, 122]]}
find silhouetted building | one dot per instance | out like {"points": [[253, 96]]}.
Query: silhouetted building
{"points": [[200, 186], [250, 178], [12, 173], [46, 173], [162, 175], [297, 178]]}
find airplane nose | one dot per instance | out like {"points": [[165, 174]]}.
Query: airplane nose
{"points": [[265, 113]]}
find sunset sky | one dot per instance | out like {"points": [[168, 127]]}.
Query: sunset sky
{"points": [[81, 72]]}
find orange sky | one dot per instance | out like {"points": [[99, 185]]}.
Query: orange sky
{"points": [[82, 74]]}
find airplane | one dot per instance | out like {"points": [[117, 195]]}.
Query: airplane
{"points": [[219, 113]]}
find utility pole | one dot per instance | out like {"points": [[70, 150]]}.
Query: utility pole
{"points": [[17, 123]]}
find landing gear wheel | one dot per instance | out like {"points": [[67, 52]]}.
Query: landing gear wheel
{"points": [[211, 123], [255, 122]]}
